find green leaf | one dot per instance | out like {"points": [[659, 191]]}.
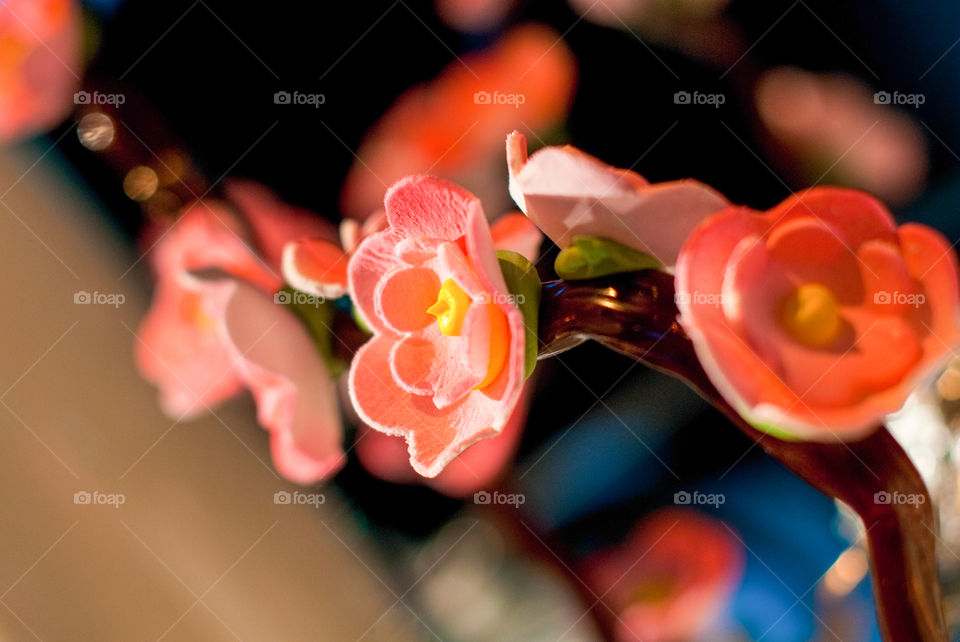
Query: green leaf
{"points": [[524, 284], [590, 256]]}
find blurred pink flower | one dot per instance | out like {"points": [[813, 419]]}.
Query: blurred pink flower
{"points": [[277, 360], [671, 578], [180, 349], [473, 16], [645, 15], [450, 126], [566, 192], [830, 126], [39, 64], [214, 292], [445, 366], [820, 316]]}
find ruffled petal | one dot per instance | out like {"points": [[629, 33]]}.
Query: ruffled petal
{"points": [[434, 436], [426, 206]]}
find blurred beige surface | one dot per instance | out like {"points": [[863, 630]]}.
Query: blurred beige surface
{"points": [[198, 550]]}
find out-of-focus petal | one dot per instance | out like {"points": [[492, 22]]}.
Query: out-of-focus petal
{"points": [[278, 361]]}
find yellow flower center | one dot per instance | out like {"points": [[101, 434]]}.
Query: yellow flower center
{"points": [[451, 308], [192, 311], [811, 316]]}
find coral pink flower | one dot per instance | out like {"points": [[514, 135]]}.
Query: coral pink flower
{"points": [[276, 358], [818, 317], [671, 578], [445, 366], [196, 341], [567, 193], [39, 64], [451, 126]]}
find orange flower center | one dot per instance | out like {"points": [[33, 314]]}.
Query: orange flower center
{"points": [[811, 316], [451, 308]]}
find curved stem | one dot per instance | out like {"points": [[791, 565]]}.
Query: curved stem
{"points": [[635, 314]]}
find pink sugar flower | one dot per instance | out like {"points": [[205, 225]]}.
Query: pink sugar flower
{"points": [[197, 342], [671, 578], [277, 360], [39, 64], [445, 366], [817, 318], [179, 348], [566, 192]]}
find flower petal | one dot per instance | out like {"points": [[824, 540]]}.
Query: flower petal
{"points": [[182, 355], [316, 266], [403, 296], [434, 436], [279, 363], [434, 367], [426, 206], [517, 233], [374, 257], [566, 193]]}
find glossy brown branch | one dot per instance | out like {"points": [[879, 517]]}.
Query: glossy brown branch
{"points": [[635, 314]]}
